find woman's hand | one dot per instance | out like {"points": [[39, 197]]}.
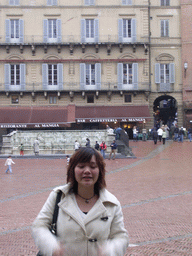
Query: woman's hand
{"points": [[99, 251], [59, 251]]}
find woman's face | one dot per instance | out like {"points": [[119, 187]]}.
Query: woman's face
{"points": [[86, 174]]}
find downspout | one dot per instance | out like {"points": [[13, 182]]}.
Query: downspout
{"points": [[149, 29]]}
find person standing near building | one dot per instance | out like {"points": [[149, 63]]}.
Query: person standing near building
{"points": [[167, 131], [135, 134], [155, 135], [96, 145], [36, 146], [21, 150], [8, 163], [88, 143], [103, 148], [144, 133], [176, 133], [77, 145], [164, 135], [68, 159], [113, 150], [181, 134], [189, 134], [160, 132]]}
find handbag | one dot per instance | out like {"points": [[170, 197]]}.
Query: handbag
{"points": [[53, 227]]}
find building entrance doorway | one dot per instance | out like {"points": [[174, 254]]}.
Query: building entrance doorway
{"points": [[165, 110]]}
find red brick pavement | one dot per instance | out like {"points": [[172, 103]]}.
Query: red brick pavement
{"points": [[154, 190]]}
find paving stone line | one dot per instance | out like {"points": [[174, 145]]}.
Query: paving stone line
{"points": [[156, 241], [27, 194], [156, 199], [174, 238], [154, 153], [14, 230]]}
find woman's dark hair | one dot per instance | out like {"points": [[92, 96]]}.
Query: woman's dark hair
{"points": [[84, 155]]}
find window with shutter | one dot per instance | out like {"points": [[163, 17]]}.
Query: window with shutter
{"points": [[52, 31], [127, 30], [52, 75], [15, 77], [165, 76], [164, 28], [127, 76], [14, 30], [89, 30], [89, 2], [51, 2], [90, 76], [13, 2], [126, 2], [165, 2]]}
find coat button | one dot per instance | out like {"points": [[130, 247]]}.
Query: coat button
{"points": [[93, 240]]}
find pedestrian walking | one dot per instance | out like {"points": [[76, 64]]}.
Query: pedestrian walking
{"points": [[103, 148], [21, 150], [113, 150], [77, 145], [96, 145], [8, 163], [90, 219]]}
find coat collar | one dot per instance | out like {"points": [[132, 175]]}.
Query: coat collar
{"points": [[104, 194], [68, 205]]}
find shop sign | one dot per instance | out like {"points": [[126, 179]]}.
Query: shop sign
{"points": [[15, 126], [110, 120], [18, 126], [46, 125]]}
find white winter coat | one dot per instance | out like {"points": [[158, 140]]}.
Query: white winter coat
{"points": [[102, 226]]}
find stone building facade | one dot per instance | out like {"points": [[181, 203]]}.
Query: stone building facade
{"points": [[186, 37], [56, 53]]}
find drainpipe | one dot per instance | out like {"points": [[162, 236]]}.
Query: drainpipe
{"points": [[149, 29]]}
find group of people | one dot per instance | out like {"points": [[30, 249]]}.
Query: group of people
{"points": [[162, 133], [99, 147], [102, 147]]}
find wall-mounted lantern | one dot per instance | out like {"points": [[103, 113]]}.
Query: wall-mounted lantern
{"points": [[185, 68]]}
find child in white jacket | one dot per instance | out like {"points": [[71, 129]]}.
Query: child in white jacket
{"points": [[8, 163]]}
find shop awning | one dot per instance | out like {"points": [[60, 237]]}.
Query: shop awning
{"points": [[36, 117], [112, 114], [52, 117]]}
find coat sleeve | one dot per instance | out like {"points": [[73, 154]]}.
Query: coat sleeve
{"points": [[118, 241], [44, 239]]}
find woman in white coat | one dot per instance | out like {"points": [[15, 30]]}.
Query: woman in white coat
{"points": [[90, 220]]}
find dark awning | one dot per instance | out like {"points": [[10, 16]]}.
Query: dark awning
{"points": [[36, 117], [112, 113], [51, 117]]}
